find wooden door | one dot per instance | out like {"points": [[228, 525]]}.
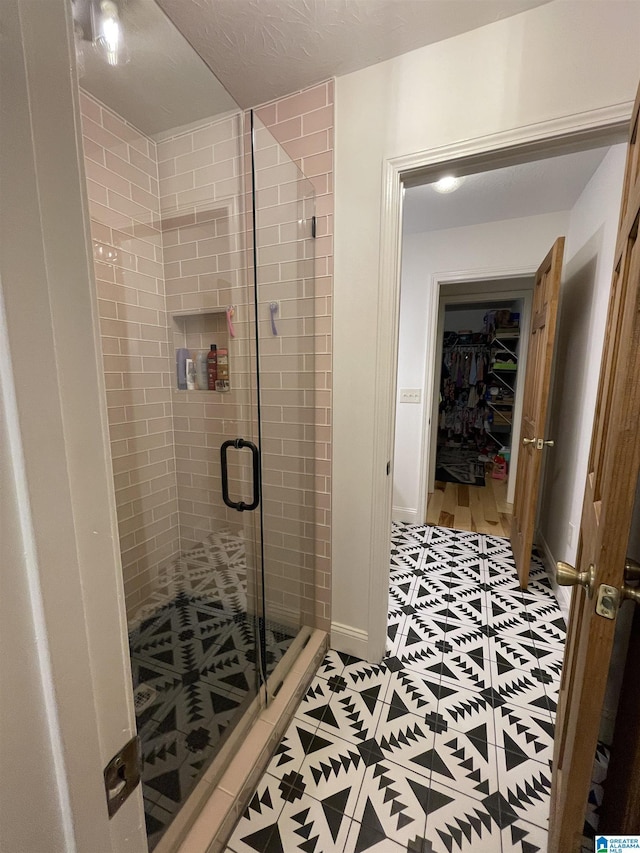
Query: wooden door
{"points": [[534, 407], [614, 465]]}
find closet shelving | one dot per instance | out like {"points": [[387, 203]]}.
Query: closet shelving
{"points": [[504, 367]]}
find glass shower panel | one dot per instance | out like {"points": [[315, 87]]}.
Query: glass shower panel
{"points": [[204, 267], [284, 274], [165, 165]]}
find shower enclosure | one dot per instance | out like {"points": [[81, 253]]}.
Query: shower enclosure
{"points": [[202, 231]]}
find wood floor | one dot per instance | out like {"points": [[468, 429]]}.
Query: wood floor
{"points": [[482, 509]]}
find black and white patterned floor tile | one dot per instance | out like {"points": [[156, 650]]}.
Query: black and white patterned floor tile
{"points": [[195, 645], [349, 713], [456, 822], [462, 671], [526, 786], [444, 747], [467, 712]]}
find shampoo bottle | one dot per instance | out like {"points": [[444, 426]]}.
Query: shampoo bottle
{"points": [[181, 368], [212, 367], [201, 371], [191, 375], [222, 376]]}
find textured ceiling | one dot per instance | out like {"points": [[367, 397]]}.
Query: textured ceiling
{"points": [[264, 49], [260, 49], [164, 84], [541, 186]]}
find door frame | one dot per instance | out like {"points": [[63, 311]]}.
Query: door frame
{"points": [[58, 436], [434, 346], [580, 131]]}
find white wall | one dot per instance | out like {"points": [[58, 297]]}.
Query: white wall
{"points": [[513, 243], [558, 60], [65, 684], [589, 250]]}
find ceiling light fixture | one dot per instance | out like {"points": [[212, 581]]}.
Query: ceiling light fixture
{"points": [[98, 23], [108, 31], [447, 184]]}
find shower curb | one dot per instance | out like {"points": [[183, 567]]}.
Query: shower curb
{"points": [[206, 828]]}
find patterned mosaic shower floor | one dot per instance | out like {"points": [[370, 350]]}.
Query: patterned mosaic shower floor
{"points": [[196, 648], [446, 746]]}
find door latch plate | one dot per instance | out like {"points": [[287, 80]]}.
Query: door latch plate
{"points": [[608, 601], [122, 775]]}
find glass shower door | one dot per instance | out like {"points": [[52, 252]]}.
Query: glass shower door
{"points": [[202, 236], [283, 231], [164, 157], [199, 648]]}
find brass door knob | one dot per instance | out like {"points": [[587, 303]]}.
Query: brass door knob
{"points": [[631, 573], [529, 440], [632, 594], [550, 443], [631, 570], [567, 575]]}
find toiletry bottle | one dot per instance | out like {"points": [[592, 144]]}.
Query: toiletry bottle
{"points": [[191, 375], [202, 378], [181, 367], [222, 378], [212, 367]]}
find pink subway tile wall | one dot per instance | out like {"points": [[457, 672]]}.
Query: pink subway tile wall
{"points": [[202, 184], [303, 124], [123, 189], [173, 249]]}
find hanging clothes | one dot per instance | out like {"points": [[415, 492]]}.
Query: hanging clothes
{"points": [[462, 417], [473, 372]]}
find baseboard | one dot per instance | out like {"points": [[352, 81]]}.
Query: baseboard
{"points": [[401, 513], [562, 593], [349, 640]]}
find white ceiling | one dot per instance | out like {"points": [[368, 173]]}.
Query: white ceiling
{"points": [[528, 189], [164, 84], [260, 49], [264, 49]]}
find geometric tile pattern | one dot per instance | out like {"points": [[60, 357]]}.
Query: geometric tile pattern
{"points": [[445, 746], [216, 569], [197, 647]]}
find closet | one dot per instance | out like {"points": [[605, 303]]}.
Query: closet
{"points": [[476, 396]]}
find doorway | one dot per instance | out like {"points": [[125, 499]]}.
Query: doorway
{"points": [[488, 241], [424, 265], [476, 405]]}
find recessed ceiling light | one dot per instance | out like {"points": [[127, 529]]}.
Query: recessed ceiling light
{"points": [[447, 184]]}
